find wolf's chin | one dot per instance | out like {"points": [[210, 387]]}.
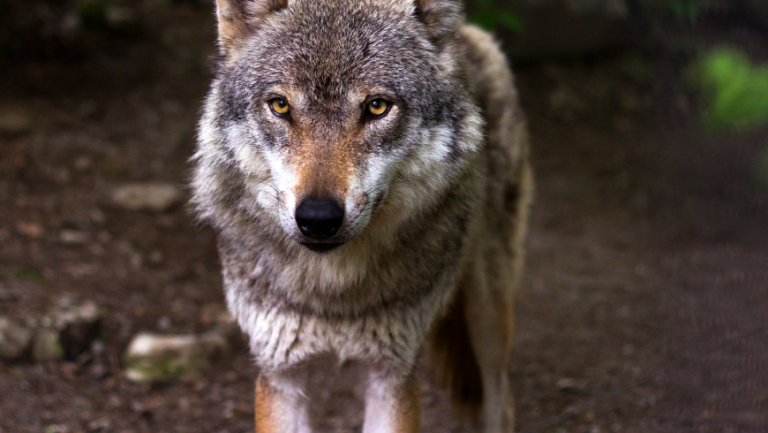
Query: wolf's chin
{"points": [[321, 248]]}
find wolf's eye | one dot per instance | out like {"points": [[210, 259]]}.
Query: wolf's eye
{"points": [[378, 108], [279, 107]]}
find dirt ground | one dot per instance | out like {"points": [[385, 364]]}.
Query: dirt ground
{"points": [[645, 303]]}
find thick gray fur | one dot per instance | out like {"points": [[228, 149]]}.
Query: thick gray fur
{"points": [[450, 175]]}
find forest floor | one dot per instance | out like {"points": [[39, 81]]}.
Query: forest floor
{"points": [[645, 300]]}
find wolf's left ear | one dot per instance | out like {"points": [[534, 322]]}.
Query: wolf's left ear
{"points": [[238, 17], [441, 17]]}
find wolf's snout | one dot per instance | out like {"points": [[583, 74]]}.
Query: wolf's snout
{"points": [[319, 218]]}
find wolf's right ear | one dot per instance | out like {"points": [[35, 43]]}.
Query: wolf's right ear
{"points": [[238, 17], [441, 17]]}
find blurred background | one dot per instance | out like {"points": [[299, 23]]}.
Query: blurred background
{"points": [[645, 303]]}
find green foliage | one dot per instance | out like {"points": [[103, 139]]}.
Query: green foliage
{"points": [[488, 15], [735, 90], [686, 10]]}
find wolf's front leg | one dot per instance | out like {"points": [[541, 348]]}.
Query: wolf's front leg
{"points": [[392, 404], [282, 405]]}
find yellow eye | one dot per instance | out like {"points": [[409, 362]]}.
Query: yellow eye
{"points": [[378, 107], [279, 106]]}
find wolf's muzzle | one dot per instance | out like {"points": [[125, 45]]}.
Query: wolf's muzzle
{"points": [[319, 218]]}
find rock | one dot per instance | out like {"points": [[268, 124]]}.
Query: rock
{"points": [[153, 358], [73, 237], [46, 346], [147, 196], [15, 340], [570, 385], [67, 331], [30, 229]]}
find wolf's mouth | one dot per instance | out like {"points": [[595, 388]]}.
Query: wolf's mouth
{"points": [[321, 247]]}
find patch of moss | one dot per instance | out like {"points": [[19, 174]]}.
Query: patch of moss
{"points": [[735, 90]]}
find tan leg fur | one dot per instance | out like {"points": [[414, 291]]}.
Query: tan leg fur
{"points": [[392, 405], [281, 406]]}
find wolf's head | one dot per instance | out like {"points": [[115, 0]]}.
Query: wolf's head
{"points": [[328, 110]]}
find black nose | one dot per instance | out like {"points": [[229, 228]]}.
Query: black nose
{"points": [[319, 218]]}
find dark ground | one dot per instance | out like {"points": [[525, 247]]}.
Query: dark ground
{"points": [[645, 293]]}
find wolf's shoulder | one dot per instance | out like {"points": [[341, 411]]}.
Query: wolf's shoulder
{"points": [[488, 74], [490, 80]]}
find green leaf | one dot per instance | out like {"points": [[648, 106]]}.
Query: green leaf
{"points": [[485, 19], [735, 91], [511, 21], [490, 20]]}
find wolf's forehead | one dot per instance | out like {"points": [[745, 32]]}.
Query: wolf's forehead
{"points": [[324, 49]]}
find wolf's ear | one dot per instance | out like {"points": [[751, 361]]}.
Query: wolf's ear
{"points": [[441, 17], [238, 17]]}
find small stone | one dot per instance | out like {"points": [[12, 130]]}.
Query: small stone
{"points": [[73, 237], [153, 358], [15, 340], [569, 385], [163, 323], [57, 428], [98, 347], [156, 197], [46, 346], [67, 331], [30, 229], [100, 424]]}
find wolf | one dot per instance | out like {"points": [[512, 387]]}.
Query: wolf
{"points": [[365, 166]]}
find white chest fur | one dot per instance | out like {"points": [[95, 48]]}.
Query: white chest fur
{"points": [[281, 338]]}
